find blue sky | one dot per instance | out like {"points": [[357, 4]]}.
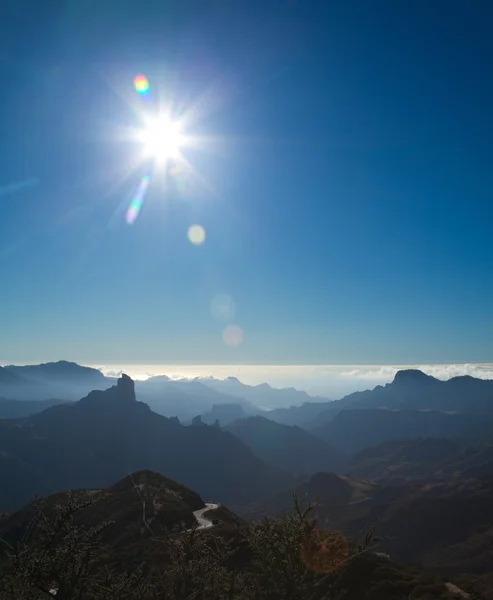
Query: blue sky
{"points": [[345, 188]]}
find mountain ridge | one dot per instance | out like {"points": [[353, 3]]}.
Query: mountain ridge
{"points": [[97, 440]]}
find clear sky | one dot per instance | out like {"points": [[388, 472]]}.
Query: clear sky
{"points": [[343, 179]]}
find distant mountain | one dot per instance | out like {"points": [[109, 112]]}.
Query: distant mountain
{"points": [[7, 378], [263, 395], [58, 371], [224, 414], [16, 409], [352, 430], [61, 380], [424, 460], [287, 447], [67, 381], [414, 390], [303, 416], [411, 389], [104, 436], [185, 398]]}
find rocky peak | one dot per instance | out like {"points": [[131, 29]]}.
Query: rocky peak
{"points": [[410, 376], [126, 388]]}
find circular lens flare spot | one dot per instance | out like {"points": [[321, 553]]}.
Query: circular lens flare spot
{"points": [[223, 307], [141, 84], [323, 552], [233, 335], [196, 234]]}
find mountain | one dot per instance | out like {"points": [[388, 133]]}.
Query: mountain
{"points": [[15, 409], [7, 378], [286, 447], [424, 459], [224, 414], [263, 395], [67, 381], [303, 416], [107, 434], [411, 389], [443, 526], [352, 430], [414, 390], [406, 460], [58, 371], [62, 380], [185, 398], [132, 539], [167, 504], [340, 502]]}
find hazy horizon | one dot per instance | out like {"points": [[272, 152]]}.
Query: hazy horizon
{"points": [[330, 381]]}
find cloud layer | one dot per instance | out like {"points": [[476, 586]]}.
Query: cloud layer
{"points": [[331, 381]]}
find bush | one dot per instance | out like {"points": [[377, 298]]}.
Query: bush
{"points": [[284, 559]]}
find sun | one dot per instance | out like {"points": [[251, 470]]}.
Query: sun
{"points": [[162, 139]]}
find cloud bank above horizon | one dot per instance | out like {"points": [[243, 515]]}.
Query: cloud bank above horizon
{"points": [[331, 381]]}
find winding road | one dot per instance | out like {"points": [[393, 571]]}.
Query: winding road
{"points": [[202, 522]]}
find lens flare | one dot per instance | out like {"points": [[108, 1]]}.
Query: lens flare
{"points": [[223, 307], [137, 201], [233, 335], [141, 84], [323, 552], [196, 234]]}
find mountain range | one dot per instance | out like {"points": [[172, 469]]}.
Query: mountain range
{"points": [[108, 434], [184, 398], [262, 395], [351, 430], [414, 457]]}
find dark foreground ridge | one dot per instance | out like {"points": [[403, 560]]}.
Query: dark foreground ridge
{"points": [[135, 540]]}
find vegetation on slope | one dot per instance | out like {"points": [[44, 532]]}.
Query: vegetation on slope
{"points": [[290, 558]]}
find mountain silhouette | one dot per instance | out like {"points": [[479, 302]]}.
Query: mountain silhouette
{"points": [[262, 395], [225, 414], [61, 370], [352, 430], [15, 409], [167, 504], [424, 459], [410, 389], [413, 389], [62, 380], [108, 434], [410, 459], [287, 447], [9, 378]]}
